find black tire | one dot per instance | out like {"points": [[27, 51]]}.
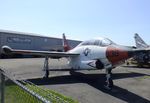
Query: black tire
{"points": [[111, 84]]}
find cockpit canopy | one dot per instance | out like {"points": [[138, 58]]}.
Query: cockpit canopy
{"points": [[98, 42]]}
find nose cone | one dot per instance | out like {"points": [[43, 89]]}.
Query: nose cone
{"points": [[6, 49], [116, 55]]}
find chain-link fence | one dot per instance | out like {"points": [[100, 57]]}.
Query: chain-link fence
{"points": [[22, 91], [14, 91]]}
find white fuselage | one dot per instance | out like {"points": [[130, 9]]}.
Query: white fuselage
{"points": [[89, 54]]}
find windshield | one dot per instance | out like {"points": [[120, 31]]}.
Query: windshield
{"points": [[97, 42]]}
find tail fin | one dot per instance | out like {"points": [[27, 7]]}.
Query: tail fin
{"points": [[139, 42], [65, 44]]}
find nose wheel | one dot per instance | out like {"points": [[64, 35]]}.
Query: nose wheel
{"points": [[109, 82]]}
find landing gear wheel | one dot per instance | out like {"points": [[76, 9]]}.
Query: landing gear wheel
{"points": [[46, 74], [109, 82]]}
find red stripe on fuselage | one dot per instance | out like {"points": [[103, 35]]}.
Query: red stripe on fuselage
{"points": [[116, 55]]}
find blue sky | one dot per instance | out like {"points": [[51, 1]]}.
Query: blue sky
{"points": [[79, 19]]}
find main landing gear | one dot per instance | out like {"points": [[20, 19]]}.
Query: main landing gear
{"points": [[46, 68], [109, 81]]}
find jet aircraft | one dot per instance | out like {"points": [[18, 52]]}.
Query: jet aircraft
{"points": [[142, 58], [100, 53]]}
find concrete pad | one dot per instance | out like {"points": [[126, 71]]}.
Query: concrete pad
{"points": [[132, 85]]}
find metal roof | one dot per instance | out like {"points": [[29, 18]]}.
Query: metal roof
{"points": [[25, 33], [30, 34]]}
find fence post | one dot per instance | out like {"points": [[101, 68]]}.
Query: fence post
{"points": [[2, 87]]}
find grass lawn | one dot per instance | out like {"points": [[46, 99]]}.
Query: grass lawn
{"points": [[15, 94]]}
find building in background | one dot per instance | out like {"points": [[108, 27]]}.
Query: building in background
{"points": [[29, 41]]}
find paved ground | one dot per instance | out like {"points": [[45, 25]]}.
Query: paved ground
{"points": [[131, 84]]}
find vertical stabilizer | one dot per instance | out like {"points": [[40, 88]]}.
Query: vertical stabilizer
{"points": [[139, 42], [65, 44]]}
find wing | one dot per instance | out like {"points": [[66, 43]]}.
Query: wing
{"points": [[8, 50], [142, 50], [137, 52]]}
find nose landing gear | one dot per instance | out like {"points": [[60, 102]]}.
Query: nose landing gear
{"points": [[109, 82]]}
